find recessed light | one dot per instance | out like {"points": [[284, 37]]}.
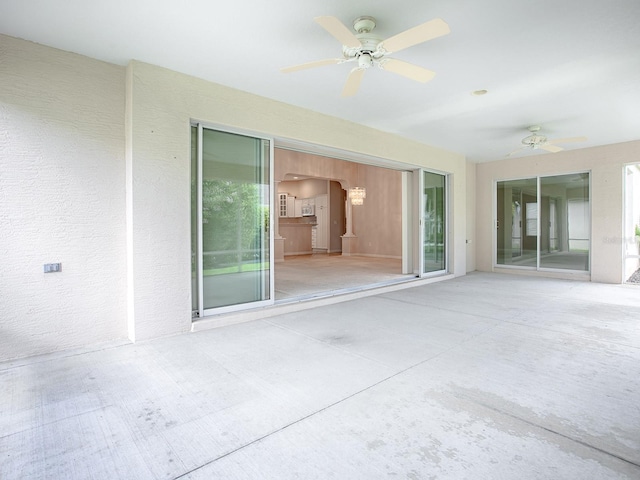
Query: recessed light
{"points": [[479, 93]]}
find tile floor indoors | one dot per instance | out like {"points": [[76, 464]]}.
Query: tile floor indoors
{"points": [[321, 274], [487, 376]]}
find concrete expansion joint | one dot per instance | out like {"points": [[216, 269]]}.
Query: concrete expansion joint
{"points": [[547, 429]]}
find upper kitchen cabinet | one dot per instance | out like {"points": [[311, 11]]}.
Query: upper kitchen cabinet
{"points": [[286, 205]]}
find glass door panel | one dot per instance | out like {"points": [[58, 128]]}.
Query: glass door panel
{"points": [[545, 227], [632, 223], [565, 202], [195, 231], [434, 218], [234, 236], [517, 222]]}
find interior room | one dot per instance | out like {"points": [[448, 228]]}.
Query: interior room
{"points": [[281, 240], [313, 224]]}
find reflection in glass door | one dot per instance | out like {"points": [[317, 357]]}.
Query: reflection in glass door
{"points": [[544, 223], [565, 232], [434, 221], [230, 221], [517, 223]]}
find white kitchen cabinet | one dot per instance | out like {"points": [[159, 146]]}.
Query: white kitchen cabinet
{"points": [[282, 204], [322, 227], [291, 206], [286, 205]]}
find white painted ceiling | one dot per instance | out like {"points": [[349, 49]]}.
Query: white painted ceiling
{"points": [[572, 66]]}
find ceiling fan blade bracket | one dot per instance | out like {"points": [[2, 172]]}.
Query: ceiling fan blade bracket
{"points": [[351, 52]]}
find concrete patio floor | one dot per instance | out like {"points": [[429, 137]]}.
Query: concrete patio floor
{"points": [[488, 376]]}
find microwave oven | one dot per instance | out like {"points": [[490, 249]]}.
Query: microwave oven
{"points": [[308, 210]]}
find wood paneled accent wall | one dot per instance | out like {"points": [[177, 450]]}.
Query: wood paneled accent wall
{"points": [[377, 223]]}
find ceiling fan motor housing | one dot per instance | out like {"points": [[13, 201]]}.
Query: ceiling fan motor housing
{"points": [[534, 140], [369, 45], [369, 42], [364, 24]]}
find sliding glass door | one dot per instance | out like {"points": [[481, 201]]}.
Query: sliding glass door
{"points": [[434, 223], [517, 225], [544, 222], [231, 243]]}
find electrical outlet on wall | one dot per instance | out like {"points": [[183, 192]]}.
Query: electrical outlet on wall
{"points": [[52, 267]]}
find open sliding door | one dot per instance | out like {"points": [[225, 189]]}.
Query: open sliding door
{"points": [[432, 214], [231, 221]]}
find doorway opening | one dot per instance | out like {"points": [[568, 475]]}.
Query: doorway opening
{"points": [[326, 245], [275, 224]]}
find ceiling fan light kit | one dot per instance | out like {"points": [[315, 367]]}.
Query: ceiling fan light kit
{"points": [[368, 50]]}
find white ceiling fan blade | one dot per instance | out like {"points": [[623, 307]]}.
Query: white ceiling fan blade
{"points": [[406, 69], [567, 140], [551, 148], [516, 151], [353, 82], [427, 31], [317, 63], [337, 29]]}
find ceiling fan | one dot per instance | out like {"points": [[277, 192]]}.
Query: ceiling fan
{"points": [[537, 141], [367, 49]]}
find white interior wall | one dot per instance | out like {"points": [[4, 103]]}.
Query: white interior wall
{"points": [[606, 164], [62, 199], [162, 104]]}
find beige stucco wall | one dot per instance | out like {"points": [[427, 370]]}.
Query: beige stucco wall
{"points": [[95, 173], [62, 199], [606, 165], [471, 216], [162, 104]]}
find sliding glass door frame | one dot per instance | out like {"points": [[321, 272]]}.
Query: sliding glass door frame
{"points": [[419, 216], [631, 217], [201, 310], [523, 227]]}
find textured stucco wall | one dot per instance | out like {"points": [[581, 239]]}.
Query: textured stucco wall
{"points": [[162, 103], [606, 165], [471, 216], [62, 199], [95, 173]]}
